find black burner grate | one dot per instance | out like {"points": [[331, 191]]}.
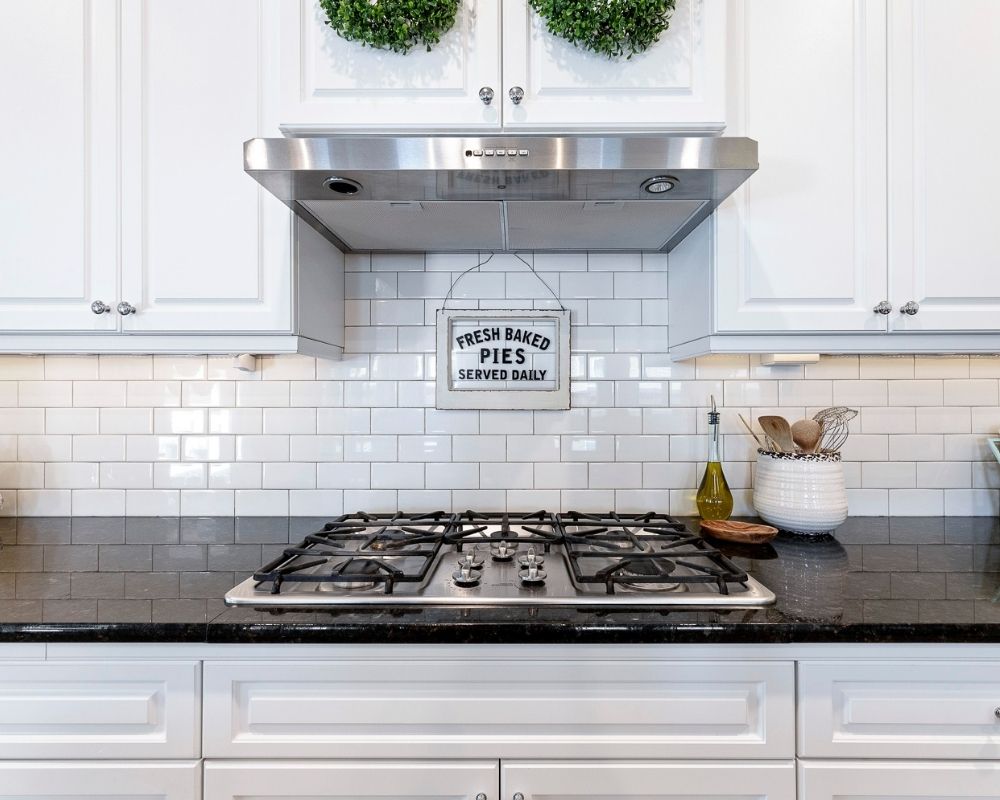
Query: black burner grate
{"points": [[632, 550], [534, 528], [379, 550]]}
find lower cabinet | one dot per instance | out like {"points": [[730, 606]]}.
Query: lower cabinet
{"points": [[648, 780], [447, 780], [82, 780], [898, 780]]}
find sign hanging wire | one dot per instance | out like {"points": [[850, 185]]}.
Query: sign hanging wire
{"points": [[485, 261]]}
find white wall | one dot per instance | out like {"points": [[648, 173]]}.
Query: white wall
{"points": [[144, 435]]}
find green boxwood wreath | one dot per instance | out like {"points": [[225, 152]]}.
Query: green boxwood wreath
{"points": [[397, 25], [610, 27]]}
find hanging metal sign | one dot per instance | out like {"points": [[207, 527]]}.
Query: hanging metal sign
{"points": [[511, 359]]}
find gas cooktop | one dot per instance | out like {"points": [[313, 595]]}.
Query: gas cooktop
{"points": [[501, 559]]}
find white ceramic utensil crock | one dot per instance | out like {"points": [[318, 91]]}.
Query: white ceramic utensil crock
{"points": [[800, 492]]}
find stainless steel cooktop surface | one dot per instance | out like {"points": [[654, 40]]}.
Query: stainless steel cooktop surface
{"points": [[501, 559]]}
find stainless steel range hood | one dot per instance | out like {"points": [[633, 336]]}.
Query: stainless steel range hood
{"points": [[498, 193]]}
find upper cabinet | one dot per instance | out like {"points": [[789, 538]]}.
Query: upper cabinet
{"points": [[58, 252], [868, 225], [133, 217], [679, 83], [327, 83], [944, 247]]}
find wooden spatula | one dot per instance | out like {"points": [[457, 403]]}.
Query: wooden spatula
{"points": [[779, 431]]}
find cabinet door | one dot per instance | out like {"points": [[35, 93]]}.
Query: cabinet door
{"points": [[648, 780], [415, 780], [58, 151], [898, 780], [203, 248], [98, 780], [679, 83], [802, 245], [326, 82], [943, 164]]}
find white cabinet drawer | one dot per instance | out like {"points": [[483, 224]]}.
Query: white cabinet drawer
{"points": [[648, 780], [499, 709], [899, 780], [123, 709], [354, 780], [899, 710], [99, 780]]}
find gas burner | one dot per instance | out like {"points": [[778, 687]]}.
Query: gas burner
{"points": [[655, 568], [363, 571], [395, 540]]}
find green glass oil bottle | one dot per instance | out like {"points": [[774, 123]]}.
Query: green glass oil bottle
{"points": [[714, 499]]}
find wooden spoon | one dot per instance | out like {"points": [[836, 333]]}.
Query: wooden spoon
{"points": [[779, 431], [806, 433]]}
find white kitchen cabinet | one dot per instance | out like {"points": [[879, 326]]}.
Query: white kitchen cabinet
{"points": [[875, 185], [130, 187], [648, 780], [99, 780], [430, 780], [678, 83], [327, 83], [58, 251], [500, 709], [204, 249], [899, 780], [943, 165], [872, 710], [100, 710]]}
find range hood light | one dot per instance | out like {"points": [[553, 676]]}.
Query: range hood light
{"points": [[342, 185], [659, 184]]}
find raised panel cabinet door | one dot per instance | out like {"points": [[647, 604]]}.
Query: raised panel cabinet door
{"points": [[678, 84], [802, 245], [647, 780], [944, 251], [510, 708], [899, 710], [98, 780], [58, 156], [204, 248], [415, 780], [898, 780], [99, 710], [329, 83]]}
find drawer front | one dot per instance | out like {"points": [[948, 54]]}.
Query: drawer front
{"points": [[900, 780], [899, 710], [414, 780], [643, 780], [136, 709], [99, 780], [493, 708]]}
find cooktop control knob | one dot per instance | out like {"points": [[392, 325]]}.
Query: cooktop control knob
{"points": [[471, 559], [532, 559], [466, 576], [531, 576]]}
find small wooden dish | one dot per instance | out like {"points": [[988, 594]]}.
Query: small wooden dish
{"points": [[742, 532]]}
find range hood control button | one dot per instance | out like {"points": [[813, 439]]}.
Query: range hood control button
{"points": [[512, 152], [477, 152], [522, 152], [487, 152]]}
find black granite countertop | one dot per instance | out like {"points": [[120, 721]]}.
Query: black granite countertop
{"points": [[162, 580]]}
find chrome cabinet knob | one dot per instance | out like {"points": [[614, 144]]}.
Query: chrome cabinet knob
{"points": [[883, 308], [518, 796], [909, 308], [480, 796], [996, 712], [125, 308], [486, 95], [100, 307], [516, 95]]}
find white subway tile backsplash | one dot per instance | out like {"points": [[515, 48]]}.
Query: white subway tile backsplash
{"points": [[190, 434]]}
